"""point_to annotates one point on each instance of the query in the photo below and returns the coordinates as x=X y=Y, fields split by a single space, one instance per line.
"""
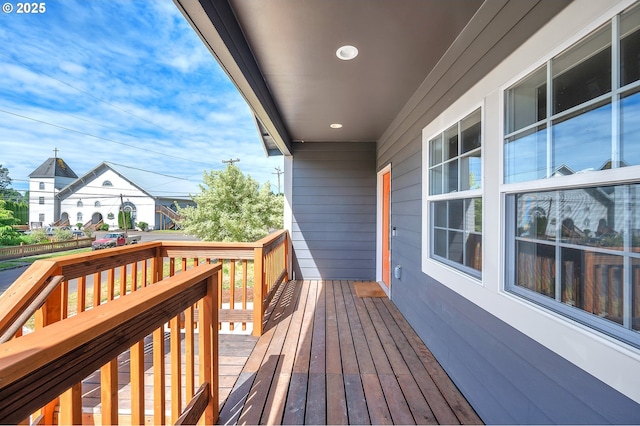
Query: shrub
x=62 y=234
x=9 y=236
x=37 y=236
x=143 y=225
x=104 y=227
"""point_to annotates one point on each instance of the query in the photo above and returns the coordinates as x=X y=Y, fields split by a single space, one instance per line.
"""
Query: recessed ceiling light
x=336 y=126
x=347 y=53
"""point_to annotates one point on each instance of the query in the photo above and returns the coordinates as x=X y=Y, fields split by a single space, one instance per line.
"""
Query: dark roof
x=53 y=167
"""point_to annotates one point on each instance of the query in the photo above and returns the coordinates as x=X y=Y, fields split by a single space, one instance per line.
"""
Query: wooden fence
x=24 y=250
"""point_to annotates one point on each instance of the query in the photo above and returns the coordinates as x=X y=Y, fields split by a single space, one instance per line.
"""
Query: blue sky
x=122 y=81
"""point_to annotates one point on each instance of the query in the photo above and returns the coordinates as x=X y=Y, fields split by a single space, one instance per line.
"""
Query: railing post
x=258 y=283
x=208 y=344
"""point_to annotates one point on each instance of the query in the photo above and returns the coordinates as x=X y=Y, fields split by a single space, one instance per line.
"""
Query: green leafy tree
x=232 y=207
x=8 y=235
x=5 y=180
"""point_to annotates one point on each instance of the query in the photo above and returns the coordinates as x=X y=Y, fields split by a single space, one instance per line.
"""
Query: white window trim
x=438 y=270
x=578 y=344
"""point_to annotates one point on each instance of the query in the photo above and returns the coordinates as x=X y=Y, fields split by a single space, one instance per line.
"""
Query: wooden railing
x=56 y=291
x=15 y=252
x=41 y=372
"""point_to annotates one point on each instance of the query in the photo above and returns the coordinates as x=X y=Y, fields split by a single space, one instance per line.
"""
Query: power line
x=102 y=138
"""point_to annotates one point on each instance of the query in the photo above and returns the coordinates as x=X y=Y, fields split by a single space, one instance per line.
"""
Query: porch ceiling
x=281 y=54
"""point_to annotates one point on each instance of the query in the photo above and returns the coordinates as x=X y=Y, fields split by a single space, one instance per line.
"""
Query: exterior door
x=385 y=232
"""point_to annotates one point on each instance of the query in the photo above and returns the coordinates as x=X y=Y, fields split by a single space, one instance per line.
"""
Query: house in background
x=99 y=195
x=415 y=135
x=45 y=183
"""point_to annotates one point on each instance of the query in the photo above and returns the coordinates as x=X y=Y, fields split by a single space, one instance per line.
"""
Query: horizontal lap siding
x=506 y=376
x=333 y=207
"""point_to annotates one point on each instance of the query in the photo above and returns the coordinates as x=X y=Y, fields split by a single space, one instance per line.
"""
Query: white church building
x=57 y=196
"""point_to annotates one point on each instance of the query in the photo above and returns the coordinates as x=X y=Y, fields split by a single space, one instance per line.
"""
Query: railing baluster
x=97 y=288
x=123 y=280
x=189 y=353
x=81 y=303
x=134 y=276
x=158 y=377
x=244 y=289
x=71 y=406
x=136 y=362
x=109 y=392
x=232 y=288
x=111 y=282
x=176 y=373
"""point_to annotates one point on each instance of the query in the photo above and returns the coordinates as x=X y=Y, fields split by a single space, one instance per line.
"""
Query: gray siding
x=506 y=376
x=333 y=205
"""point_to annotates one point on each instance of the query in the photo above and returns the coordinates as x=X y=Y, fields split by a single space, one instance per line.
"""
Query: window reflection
x=526 y=156
x=582 y=240
x=589 y=134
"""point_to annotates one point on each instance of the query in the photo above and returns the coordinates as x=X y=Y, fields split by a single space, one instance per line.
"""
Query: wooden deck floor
x=331 y=357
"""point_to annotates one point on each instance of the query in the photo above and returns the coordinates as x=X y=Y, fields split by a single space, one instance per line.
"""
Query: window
x=40 y=200
x=576 y=249
x=41 y=217
x=79 y=203
x=96 y=204
x=579 y=101
x=107 y=183
x=79 y=216
x=455 y=202
x=41 y=186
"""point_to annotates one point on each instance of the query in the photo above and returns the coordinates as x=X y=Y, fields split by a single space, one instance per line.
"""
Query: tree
x=232 y=207
x=8 y=235
x=6 y=193
x=5 y=180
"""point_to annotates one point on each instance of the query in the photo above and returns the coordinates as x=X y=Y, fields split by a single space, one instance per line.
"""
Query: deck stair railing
x=69 y=291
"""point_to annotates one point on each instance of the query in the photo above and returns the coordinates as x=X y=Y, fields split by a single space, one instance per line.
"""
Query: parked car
x=114 y=239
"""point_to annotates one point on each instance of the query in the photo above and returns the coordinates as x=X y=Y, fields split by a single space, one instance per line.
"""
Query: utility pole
x=230 y=161
x=278 y=172
x=124 y=217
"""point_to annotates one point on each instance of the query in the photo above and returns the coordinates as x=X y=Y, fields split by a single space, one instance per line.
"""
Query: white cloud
x=121 y=81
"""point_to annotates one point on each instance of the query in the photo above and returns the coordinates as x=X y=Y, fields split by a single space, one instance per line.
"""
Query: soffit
x=399 y=42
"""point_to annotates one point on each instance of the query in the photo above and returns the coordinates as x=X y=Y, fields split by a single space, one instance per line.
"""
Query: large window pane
x=456 y=246
x=630 y=137
x=593 y=282
x=451 y=143
x=435 y=180
x=440 y=213
x=473 y=214
x=456 y=214
x=525 y=156
x=473 y=250
x=451 y=176
x=471 y=132
x=527 y=102
x=435 y=151
x=440 y=242
x=630 y=47
x=471 y=171
x=582 y=72
x=582 y=142
x=635 y=279
x=533 y=214
x=536 y=267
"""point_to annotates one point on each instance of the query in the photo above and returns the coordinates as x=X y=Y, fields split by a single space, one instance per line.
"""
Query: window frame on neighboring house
x=571 y=187
x=40 y=200
x=97 y=204
x=107 y=183
x=41 y=186
x=79 y=204
x=453 y=171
